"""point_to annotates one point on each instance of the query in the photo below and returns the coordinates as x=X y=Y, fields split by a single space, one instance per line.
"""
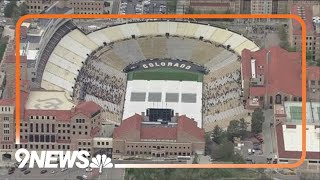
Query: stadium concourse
x=91 y=66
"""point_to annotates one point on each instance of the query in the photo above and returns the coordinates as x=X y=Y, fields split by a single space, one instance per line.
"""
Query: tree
x=243 y=128
x=309 y=56
x=216 y=134
x=257 y=121
x=233 y=129
x=195 y=159
x=226 y=151
x=3 y=45
x=23 y=9
x=9 y=9
x=208 y=143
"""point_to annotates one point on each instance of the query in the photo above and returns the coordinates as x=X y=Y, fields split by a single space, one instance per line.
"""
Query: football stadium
x=158 y=68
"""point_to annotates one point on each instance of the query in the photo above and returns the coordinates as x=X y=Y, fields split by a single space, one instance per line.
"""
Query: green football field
x=165 y=74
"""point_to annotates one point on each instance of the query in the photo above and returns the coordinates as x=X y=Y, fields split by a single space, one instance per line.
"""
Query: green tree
x=3 y=46
x=243 y=128
x=195 y=159
x=226 y=151
x=309 y=56
x=23 y=8
x=9 y=9
x=208 y=143
x=257 y=120
x=233 y=129
x=217 y=134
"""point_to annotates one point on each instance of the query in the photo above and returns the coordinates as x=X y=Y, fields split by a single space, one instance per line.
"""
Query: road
x=268 y=134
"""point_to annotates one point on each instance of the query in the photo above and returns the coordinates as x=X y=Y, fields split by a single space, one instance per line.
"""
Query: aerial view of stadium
x=127 y=93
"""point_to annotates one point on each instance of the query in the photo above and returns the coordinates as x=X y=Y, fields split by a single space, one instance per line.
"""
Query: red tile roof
x=307 y=11
x=313 y=73
x=61 y=115
x=7 y=102
x=129 y=125
x=23 y=32
x=290 y=154
x=158 y=133
x=209 y=5
x=133 y=125
x=88 y=108
x=190 y=127
x=284 y=70
x=11 y=58
x=94 y=132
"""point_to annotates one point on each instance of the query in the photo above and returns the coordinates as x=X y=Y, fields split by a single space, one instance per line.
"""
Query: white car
x=53 y=172
x=64 y=169
x=88 y=169
x=85 y=177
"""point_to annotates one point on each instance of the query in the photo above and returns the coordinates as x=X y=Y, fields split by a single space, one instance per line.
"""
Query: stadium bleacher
x=71 y=55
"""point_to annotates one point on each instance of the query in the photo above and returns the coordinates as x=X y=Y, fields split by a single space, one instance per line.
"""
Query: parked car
x=27 y=172
x=53 y=172
x=43 y=171
x=88 y=169
x=64 y=169
x=10 y=171
x=80 y=177
x=256 y=146
x=16 y=164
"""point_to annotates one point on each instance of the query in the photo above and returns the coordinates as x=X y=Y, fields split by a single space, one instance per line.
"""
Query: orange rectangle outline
x=176 y=16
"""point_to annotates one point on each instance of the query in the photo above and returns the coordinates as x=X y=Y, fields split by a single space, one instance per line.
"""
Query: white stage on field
x=184 y=97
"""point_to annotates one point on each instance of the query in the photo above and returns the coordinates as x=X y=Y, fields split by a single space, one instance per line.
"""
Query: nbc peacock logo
x=101 y=161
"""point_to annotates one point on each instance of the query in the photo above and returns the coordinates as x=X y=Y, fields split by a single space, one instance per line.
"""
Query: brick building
x=220 y=6
x=135 y=137
x=289 y=134
x=79 y=6
x=264 y=6
x=49 y=122
x=87 y=6
x=313 y=31
x=270 y=76
x=37 y=6
x=313 y=83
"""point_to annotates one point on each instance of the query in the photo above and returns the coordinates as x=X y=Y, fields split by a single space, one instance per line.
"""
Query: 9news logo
x=55 y=159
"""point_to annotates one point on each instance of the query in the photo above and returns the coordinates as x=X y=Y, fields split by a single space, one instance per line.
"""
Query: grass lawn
x=165 y=74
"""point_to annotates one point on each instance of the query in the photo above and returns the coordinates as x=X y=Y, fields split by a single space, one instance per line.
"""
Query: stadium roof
x=284 y=70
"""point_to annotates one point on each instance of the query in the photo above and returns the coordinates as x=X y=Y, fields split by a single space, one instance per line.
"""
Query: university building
x=139 y=137
x=288 y=128
x=270 y=76
x=50 y=122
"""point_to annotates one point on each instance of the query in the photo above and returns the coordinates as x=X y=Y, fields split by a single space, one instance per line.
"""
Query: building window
x=313 y=82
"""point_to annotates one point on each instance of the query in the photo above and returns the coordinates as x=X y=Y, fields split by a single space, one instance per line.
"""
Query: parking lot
x=143 y=7
x=35 y=174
